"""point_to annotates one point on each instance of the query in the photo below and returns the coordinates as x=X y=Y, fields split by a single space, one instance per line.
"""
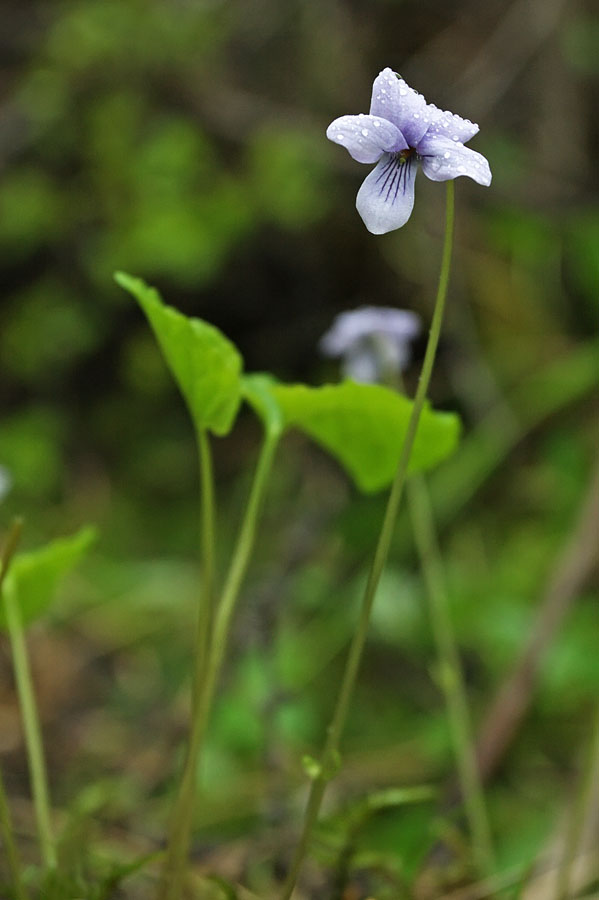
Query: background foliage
x=184 y=141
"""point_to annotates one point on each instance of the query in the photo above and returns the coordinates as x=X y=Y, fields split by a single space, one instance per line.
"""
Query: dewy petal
x=366 y=137
x=444 y=159
x=386 y=198
x=393 y=99
x=447 y=124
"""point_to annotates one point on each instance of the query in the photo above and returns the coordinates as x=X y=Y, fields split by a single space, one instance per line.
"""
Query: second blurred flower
x=373 y=342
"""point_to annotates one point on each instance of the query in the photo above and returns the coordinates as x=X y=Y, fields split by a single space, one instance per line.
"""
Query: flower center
x=404 y=155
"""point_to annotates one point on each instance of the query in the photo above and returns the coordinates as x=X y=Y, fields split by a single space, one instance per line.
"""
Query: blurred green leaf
x=364 y=426
x=359 y=812
x=286 y=174
x=546 y=392
x=34 y=577
x=205 y=365
x=46 y=330
x=580 y=43
x=32 y=212
x=582 y=240
x=31 y=448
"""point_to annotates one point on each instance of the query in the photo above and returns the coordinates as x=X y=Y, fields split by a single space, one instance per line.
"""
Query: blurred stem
x=330 y=752
x=450 y=671
x=583 y=805
x=183 y=807
x=28 y=707
x=208 y=539
x=6 y=827
x=180 y=834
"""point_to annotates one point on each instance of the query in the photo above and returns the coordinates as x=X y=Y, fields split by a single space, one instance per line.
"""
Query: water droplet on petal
x=455 y=137
x=447 y=154
x=365 y=132
x=403 y=92
x=377 y=124
x=416 y=115
x=340 y=137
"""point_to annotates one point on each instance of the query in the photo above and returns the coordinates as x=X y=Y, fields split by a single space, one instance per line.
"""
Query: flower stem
x=28 y=707
x=330 y=750
x=180 y=835
x=582 y=807
x=175 y=856
x=6 y=827
x=207 y=537
x=450 y=671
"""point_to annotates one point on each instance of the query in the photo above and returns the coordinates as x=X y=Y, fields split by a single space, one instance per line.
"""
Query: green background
x=183 y=141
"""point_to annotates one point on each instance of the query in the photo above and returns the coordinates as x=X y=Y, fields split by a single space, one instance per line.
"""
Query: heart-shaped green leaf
x=364 y=426
x=34 y=576
x=204 y=363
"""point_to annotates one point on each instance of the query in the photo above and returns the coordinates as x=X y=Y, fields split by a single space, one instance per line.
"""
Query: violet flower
x=401 y=131
x=5 y=482
x=372 y=341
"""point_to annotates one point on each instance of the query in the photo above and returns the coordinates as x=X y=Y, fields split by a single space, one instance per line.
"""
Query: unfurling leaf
x=204 y=363
x=34 y=576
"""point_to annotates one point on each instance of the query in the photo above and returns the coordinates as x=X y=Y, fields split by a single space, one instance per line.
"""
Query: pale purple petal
x=376 y=359
x=366 y=137
x=401 y=122
x=373 y=341
x=353 y=325
x=444 y=159
x=5 y=482
x=393 y=99
x=448 y=124
x=361 y=364
x=398 y=323
x=386 y=198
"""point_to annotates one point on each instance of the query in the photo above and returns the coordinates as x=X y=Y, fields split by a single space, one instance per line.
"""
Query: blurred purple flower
x=372 y=341
x=5 y=482
x=402 y=130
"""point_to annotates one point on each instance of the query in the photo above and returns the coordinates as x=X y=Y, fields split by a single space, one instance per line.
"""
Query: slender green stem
x=451 y=674
x=31 y=726
x=207 y=512
x=6 y=827
x=331 y=747
x=207 y=541
x=238 y=568
x=27 y=704
x=9 y=548
x=180 y=835
x=174 y=861
x=583 y=804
